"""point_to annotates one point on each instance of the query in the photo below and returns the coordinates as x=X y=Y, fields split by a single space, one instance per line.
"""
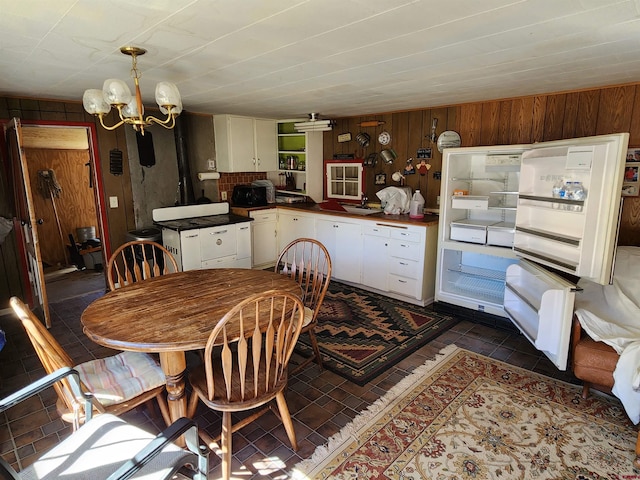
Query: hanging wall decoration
x=409 y=169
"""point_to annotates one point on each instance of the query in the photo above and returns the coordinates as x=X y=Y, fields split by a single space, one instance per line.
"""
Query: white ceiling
x=286 y=58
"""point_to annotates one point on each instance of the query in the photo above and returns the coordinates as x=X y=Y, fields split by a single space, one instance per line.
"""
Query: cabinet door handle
x=242 y=228
x=402 y=281
x=219 y=232
x=191 y=236
x=402 y=263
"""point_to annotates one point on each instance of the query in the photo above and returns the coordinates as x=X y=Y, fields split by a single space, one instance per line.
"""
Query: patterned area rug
x=361 y=334
x=466 y=416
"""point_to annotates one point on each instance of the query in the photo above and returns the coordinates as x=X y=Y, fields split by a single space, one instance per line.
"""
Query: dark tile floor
x=320 y=402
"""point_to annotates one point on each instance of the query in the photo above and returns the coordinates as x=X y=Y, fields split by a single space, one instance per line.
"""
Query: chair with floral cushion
x=118 y=383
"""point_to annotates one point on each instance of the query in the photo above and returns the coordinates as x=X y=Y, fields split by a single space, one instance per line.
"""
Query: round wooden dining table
x=173 y=314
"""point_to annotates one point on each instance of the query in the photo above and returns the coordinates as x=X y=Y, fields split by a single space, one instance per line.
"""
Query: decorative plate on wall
x=384 y=138
x=448 y=139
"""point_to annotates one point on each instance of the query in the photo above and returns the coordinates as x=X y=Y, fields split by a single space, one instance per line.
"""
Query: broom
x=50 y=188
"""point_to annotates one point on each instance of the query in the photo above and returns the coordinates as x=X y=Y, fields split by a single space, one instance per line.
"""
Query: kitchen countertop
x=428 y=220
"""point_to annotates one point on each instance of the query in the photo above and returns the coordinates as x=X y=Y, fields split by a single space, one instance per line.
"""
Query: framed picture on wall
x=631 y=181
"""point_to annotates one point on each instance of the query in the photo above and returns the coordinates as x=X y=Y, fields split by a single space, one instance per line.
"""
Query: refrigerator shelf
x=546 y=259
x=495 y=178
x=564 y=201
x=480 y=288
x=495 y=275
x=504 y=208
x=537 y=232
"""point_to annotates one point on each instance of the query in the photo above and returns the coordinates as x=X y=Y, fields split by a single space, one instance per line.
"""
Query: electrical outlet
x=113 y=202
x=211 y=164
x=223 y=196
x=438 y=200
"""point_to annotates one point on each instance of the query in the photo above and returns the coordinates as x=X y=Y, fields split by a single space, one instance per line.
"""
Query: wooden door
x=26 y=221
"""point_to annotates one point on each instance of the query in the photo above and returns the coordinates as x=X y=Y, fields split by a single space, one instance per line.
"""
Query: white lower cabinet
x=264 y=237
x=390 y=258
x=375 y=256
x=343 y=241
x=293 y=225
x=411 y=263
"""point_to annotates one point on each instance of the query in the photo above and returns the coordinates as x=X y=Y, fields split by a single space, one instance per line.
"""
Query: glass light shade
x=167 y=94
x=176 y=110
x=94 y=103
x=131 y=109
x=116 y=92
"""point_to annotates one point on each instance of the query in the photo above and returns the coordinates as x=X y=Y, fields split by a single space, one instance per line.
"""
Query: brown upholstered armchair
x=593 y=363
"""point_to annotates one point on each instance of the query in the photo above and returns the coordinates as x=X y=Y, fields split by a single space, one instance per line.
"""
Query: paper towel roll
x=208 y=176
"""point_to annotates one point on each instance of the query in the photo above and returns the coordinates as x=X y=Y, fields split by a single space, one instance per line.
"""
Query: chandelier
x=116 y=93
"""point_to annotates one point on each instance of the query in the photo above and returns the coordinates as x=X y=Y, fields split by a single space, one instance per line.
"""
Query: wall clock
x=448 y=139
x=384 y=138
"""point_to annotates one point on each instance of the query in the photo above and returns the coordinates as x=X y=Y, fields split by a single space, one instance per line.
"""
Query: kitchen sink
x=361 y=210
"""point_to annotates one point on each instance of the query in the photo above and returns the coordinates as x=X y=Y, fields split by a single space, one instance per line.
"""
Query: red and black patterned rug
x=361 y=334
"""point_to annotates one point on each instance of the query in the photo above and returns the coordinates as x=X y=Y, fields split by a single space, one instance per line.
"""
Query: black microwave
x=249 y=196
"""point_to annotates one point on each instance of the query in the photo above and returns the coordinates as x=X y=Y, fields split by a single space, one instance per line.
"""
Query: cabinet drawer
x=266 y=216
x=376 y=230
x=404 y=268
x=406 y=249
x=404 y=286
x=408 y=235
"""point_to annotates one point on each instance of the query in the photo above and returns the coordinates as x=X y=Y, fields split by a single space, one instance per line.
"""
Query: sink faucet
x=363 y=201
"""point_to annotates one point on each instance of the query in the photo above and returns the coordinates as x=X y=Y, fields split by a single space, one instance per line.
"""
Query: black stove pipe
x=185 y=184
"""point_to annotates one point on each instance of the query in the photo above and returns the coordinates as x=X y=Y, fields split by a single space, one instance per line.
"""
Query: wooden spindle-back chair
x=138 y=260
x=248 y=369
x=132 y=369
x=307 y=261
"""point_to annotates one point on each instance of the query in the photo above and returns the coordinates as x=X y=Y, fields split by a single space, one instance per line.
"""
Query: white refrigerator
x=507 y=246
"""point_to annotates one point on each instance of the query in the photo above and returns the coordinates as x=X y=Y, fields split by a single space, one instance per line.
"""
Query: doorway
x=56 y=163
x=64 y=204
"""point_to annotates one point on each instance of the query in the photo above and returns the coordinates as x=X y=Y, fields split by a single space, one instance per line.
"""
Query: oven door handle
x=218 y=232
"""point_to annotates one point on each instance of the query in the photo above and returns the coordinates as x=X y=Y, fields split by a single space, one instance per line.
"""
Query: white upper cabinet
x=245 y=144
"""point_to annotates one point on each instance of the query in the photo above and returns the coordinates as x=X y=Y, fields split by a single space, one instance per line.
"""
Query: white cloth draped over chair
x=611 y=314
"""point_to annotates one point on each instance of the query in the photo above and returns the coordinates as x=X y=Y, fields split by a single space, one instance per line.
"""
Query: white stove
x=205 y=236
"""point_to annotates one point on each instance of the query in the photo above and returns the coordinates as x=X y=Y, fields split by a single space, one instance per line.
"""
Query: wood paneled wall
x=502 y=122
x=75 y=206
